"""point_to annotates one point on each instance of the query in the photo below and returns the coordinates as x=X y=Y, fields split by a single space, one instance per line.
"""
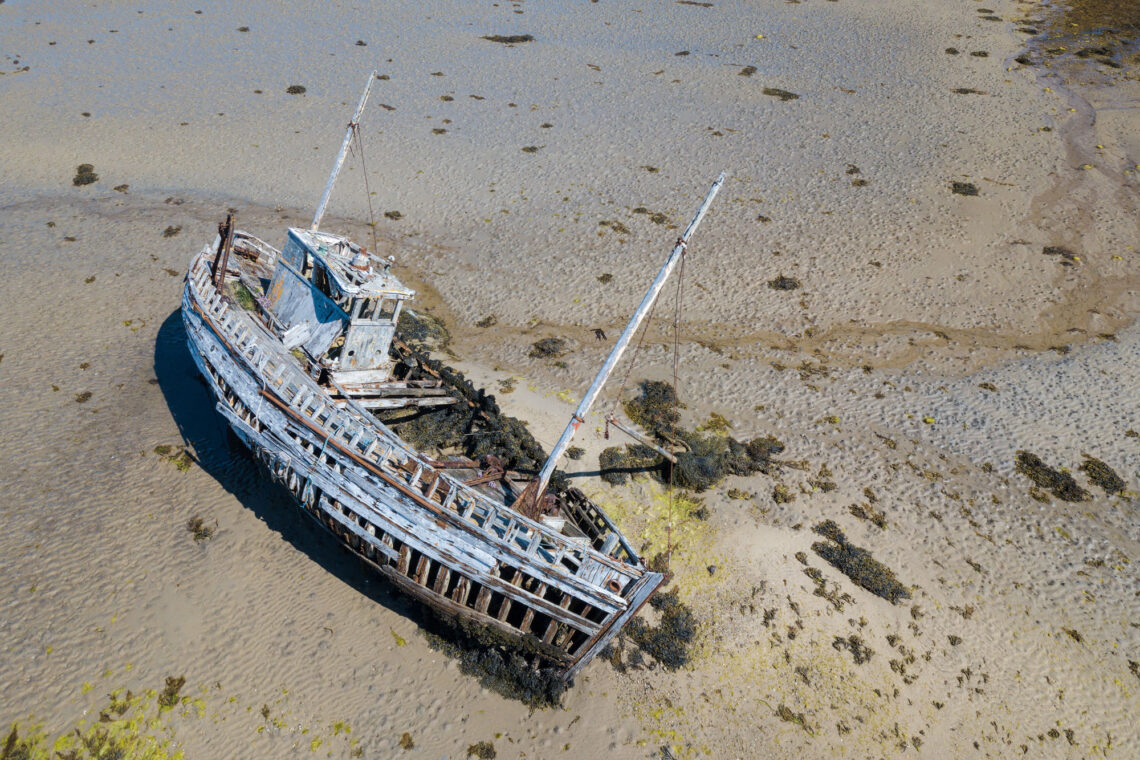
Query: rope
x=676 y=355
x=632 y=361
x=367 y=190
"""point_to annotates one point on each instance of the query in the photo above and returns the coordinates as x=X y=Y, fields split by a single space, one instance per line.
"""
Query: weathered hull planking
x=560 y=597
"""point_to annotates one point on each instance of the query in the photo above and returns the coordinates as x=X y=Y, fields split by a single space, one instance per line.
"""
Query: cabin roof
x=338 y=254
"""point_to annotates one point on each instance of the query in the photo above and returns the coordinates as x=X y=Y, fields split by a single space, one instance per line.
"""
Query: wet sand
x=932 y=339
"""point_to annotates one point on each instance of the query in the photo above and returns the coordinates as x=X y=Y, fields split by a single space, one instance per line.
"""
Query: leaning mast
x=534 y=491
x=352 y=125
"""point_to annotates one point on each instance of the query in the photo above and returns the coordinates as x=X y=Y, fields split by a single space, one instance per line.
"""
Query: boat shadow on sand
x=222 y=455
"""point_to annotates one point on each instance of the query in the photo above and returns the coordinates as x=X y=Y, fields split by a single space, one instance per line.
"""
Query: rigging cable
x=367 y=190
x=676 y=393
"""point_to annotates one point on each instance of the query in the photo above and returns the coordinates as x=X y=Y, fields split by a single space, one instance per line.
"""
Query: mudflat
x=921 y=279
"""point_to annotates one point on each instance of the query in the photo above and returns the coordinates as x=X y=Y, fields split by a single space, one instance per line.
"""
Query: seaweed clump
x=474 y=427
x=854 y=644
x=857 y=564
x=509 y=39
x=963 y=188
x=423 y=331
x=617 y=462
x=198 y=528
x=776 y=92
x=705 y=460
x=1102 y=475
x=1062 y=484
x=784 y=283
x=670 y=642
x=169 y=696
x=482 y=750
x=495 y=660
x=549 y=348
x=84 y=175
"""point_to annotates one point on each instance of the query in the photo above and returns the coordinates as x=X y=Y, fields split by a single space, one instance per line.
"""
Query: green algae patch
x=1060 y=483
x=857 y=564
x=127 y=727
x=176 y=455
x=242 y=296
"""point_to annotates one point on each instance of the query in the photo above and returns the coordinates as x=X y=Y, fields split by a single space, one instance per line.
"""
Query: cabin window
x=378 y=309
x=321 y=280
x=368 y=307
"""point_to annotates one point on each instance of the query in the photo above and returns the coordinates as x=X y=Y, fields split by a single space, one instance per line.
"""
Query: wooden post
x=222 y=260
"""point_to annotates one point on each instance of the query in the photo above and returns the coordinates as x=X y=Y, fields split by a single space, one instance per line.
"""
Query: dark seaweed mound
x=616 y=462
x=475 y=427
x=549 y=348
x=1062 y=484
x=84 y=175
x=857 y=564
x=1102 y=475
x=705 y=460
x=495 y=661
x=670 y=641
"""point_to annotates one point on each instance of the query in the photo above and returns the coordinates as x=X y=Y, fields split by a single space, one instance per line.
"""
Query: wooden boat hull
x=442 y=542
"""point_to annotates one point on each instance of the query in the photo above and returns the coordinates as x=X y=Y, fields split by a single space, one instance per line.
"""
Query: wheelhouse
x=338 y=303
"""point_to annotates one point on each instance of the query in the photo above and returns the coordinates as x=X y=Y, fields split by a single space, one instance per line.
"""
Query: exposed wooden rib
x=482 y=600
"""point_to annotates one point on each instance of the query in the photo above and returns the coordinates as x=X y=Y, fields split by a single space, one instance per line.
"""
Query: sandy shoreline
x=1024 y=621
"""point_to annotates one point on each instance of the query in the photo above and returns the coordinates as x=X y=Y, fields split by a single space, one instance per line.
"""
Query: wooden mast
x=340 y=156
x=531 y=497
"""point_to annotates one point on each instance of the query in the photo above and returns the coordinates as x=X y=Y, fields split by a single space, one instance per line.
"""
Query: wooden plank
x=591 y=590
x=462 y=591
x=442 y=578
x=482 y=600
x=423 y=569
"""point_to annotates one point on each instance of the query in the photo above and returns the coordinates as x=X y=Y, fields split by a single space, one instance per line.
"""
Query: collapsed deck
x=561 y=594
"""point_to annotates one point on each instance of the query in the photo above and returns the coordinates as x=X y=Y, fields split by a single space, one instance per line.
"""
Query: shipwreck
x=299 y=347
